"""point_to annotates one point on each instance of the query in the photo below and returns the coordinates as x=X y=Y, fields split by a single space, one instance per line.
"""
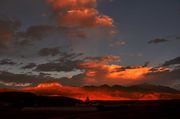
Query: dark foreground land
x=122 y=110
x=37 y=107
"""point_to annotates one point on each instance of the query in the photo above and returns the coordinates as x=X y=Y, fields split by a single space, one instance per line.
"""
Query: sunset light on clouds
x=79 y=13
x=77 y=43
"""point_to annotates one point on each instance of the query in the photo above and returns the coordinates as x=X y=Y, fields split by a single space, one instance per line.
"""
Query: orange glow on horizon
x=56 y=89
x=49 y=85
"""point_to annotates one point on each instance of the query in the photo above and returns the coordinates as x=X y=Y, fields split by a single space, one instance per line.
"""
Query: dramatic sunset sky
x=89 y=42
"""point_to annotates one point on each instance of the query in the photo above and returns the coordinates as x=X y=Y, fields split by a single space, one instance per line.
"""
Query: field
x=104 y=110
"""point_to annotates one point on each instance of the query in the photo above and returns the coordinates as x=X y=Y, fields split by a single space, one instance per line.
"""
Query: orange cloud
x=79 y=13
x=72 y=4
x=103 y=71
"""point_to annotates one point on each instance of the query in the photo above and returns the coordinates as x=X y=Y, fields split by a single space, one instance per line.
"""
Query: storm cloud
x=8 y=29
x=157 y=41
x=175 y=61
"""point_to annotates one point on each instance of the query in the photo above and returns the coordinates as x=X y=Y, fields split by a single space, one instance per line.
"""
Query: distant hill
x=153 y=88
x=135 y=88
x=53 y=93
x=7 y=90
x=25 y=99
x=177 y=87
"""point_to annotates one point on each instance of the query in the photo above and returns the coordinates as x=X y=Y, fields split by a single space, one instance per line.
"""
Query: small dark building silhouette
x=87 y=99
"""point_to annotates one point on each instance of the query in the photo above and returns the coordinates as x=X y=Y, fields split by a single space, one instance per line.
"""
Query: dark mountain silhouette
x=135 y=88
x=40 y=95
x=177 y=87
x=152 y=88
x=8 y=90
x=24 y=99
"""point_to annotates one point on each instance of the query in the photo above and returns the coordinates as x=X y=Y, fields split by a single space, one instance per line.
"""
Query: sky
x=89 y=42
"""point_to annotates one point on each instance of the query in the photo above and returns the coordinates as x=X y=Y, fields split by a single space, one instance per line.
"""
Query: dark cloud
x=67 y=62
x=8 y=29
x=12 y=37
x=44 y=74
x=29 y=66
x=12 y=80
x=118 y=43
x=76 y=80
x=44 y=31
x=49 y=51
x=104 y=59
x=65 y=56
x=177 y=67
x=146 y=64
x=77 y=34
x=157 y=40
x=7 y=62
x=175 y=61
x=177 y=87
x=65 y=66
x=168 y=77
x=178 y=38
x=34 y=33
x=20 y=78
